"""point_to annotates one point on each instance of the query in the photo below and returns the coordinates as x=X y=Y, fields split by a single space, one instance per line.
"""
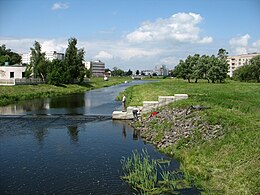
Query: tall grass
x=228 y=164
x=149 y=176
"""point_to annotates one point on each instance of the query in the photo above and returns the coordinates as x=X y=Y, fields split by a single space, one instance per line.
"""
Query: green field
x=229 y=164
x=12 y=94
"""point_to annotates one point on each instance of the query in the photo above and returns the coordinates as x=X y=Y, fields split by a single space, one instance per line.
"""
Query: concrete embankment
x=148 y=106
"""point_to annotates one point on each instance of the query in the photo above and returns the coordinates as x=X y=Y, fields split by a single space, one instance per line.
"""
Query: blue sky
x=135 y=34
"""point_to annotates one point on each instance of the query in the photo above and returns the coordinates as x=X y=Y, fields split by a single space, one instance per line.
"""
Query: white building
x=50 y=55
x=12 y=72
x=238 y=61
x=26 y=58
x=161 y=70
x=97 y=67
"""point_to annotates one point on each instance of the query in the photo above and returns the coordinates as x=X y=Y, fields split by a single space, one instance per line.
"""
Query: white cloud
x=58 y=6
x=241 y=50
x=240 y=41
x=53 y=45
x=23 y=45
x=169 y=61
x=241 y=45
x=103 y=55
x=181 y=27
x=256 y=44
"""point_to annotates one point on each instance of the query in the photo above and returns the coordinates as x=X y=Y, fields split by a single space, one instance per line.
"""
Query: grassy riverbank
x=230 y=163
x=12 y=94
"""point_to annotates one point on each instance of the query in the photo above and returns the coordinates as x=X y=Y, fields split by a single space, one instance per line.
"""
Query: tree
x=255 y=68
x=74 y=68
x=56 y=72
x=185 y=69
x=6 y=55
x=117 y=72
x=222 y=64
x=129 y=73
x=250 y=71
x=137 y=72
x=39 y=65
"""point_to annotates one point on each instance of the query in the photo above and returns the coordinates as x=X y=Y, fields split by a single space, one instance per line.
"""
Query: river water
x=67 y=145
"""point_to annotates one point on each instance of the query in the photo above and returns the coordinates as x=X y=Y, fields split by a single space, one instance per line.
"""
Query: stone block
x=119 y=115
x=181 y=96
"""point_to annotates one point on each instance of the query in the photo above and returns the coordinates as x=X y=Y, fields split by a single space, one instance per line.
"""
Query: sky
x=133 y=34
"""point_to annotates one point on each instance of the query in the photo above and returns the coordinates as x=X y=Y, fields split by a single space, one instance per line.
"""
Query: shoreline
x=13 y=94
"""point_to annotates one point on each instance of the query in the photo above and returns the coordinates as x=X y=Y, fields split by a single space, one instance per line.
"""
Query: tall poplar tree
x=74 y=68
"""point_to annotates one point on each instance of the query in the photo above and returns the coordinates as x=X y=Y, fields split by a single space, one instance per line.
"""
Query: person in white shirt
x=124 y=103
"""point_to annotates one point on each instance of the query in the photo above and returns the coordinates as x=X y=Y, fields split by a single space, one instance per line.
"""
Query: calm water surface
x=69 y=154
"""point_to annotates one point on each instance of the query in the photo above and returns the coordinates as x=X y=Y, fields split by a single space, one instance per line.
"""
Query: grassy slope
x=11 y=94
x=230 y=164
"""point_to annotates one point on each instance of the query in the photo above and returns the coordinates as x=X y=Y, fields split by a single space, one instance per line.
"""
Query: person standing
x=124 y=103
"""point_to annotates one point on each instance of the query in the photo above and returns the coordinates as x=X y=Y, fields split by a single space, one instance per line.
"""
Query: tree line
x=69 y=70
x=7 y=56
x=249 y=72
x=212 y=68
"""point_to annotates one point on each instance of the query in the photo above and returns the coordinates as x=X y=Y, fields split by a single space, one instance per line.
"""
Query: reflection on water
x=76 y=158
x=66 y=153
x=73 y=133
x=99 y=101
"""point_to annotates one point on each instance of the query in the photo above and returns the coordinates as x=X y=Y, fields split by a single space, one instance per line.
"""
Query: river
x=67 y=145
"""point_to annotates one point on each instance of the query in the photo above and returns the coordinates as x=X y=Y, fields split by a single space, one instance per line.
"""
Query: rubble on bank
x=171 y=125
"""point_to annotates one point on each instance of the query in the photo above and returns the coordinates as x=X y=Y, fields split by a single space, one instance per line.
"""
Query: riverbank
x=12 y=94
x=218 y=146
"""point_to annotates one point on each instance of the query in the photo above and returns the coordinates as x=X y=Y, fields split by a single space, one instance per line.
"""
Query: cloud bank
x=162 y=41
x=180 y=27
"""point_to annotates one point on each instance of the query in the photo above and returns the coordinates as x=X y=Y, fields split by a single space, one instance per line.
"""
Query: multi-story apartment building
x=97 y=67
x=50 y=55
x=26 y=58
x=238 y=61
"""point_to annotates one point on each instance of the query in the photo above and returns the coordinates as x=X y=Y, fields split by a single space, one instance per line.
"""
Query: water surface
x=54 y=146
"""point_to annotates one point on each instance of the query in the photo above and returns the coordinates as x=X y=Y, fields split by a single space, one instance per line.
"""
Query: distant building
x=50 y=55
x=238 y=61
x=97 y=67
x=161 y=70
x=12 y=72
x=26 y=58
x=147 y=72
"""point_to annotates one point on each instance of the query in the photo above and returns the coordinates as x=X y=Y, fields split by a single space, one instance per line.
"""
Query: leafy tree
x=117 y=72
x=249 y=72
x=129 y=73
x=6 y=55
x=88 y=73
x=255 y=68
x=39 y=64
x=203 y=67
x=137 y=72
x=222 y=64
x=185 y=69
x=74 y=68
x=56 y=72
x=196 y=66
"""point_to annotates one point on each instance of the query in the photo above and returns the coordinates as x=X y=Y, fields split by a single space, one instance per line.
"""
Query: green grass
x=12 y=94
x=229 y=164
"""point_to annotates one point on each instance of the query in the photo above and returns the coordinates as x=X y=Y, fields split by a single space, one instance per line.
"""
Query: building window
x=23 y=74
x=11 y=75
